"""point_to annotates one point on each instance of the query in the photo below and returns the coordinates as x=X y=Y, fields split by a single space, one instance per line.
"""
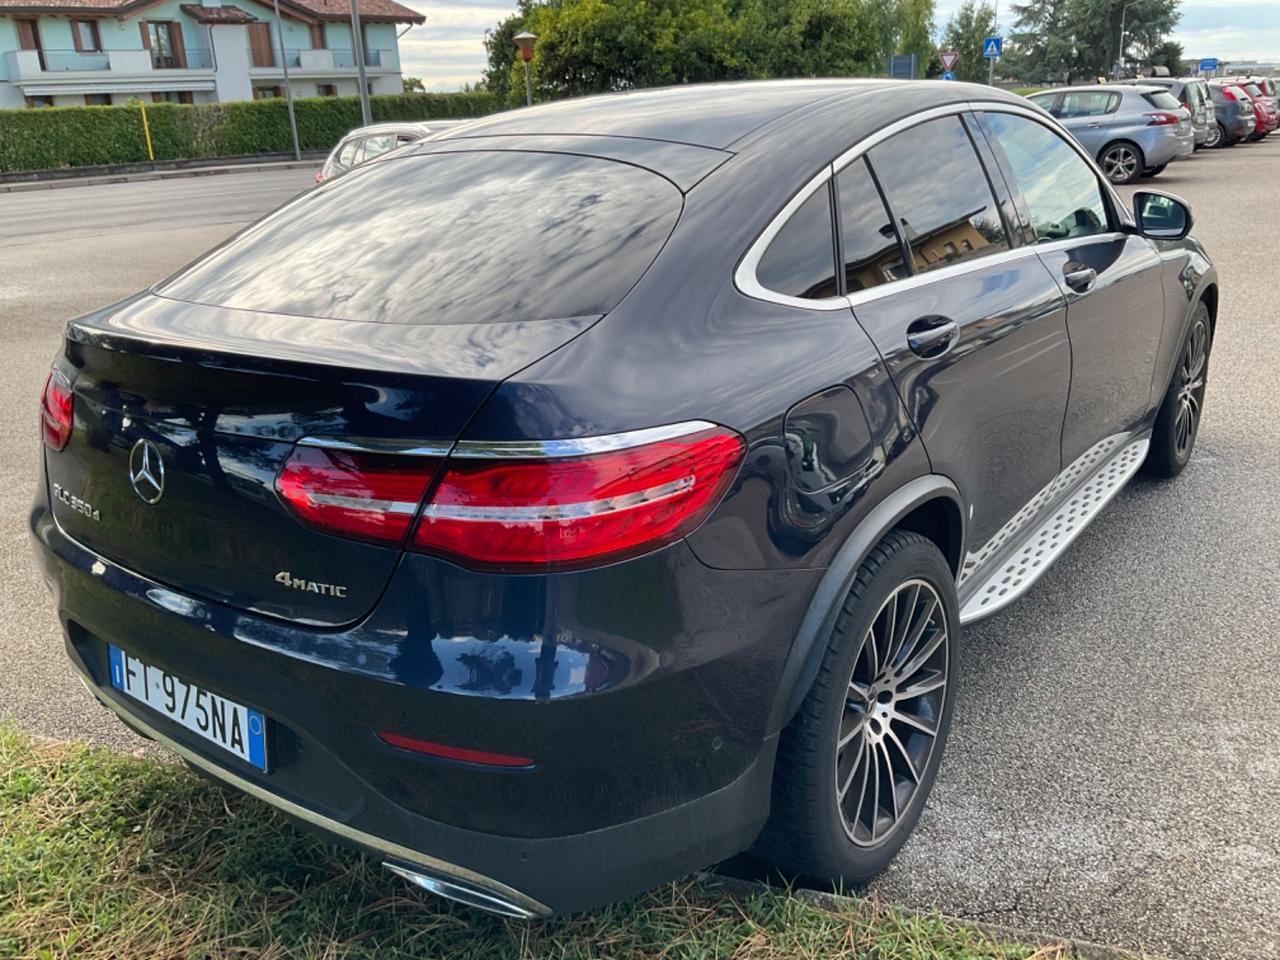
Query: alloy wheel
x=1215 y=135
x=1195 y=356
x=1120 y=164
x=893 y=708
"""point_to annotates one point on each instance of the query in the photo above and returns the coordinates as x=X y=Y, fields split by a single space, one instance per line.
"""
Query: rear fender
x=810 y=643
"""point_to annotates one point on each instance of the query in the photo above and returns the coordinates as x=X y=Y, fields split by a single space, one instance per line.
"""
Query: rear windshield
x=472 y=237
x=1162 y=99
x=1252 y=89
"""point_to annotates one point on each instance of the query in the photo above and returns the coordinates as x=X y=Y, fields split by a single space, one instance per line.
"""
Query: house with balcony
x=99 y=52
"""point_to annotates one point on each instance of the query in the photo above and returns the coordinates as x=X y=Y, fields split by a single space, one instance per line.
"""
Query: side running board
x=1080 y=496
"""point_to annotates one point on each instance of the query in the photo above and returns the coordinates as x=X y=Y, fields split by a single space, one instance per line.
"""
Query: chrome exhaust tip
x=460 y=891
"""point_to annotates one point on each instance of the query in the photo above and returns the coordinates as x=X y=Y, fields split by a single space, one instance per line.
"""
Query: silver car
x=1133 y=131
x=1193 y=94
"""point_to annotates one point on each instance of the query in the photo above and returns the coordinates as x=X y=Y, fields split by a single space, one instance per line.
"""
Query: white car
x=368 y=143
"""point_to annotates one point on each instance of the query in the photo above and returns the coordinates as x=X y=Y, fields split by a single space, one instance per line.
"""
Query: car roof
x=401 y=126
x=1142 y=86
x=721 y=116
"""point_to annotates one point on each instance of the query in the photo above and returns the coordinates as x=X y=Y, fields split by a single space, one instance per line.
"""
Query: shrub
x=56 y=137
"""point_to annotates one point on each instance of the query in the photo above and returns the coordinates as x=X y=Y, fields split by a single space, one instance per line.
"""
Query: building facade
x=99 y=52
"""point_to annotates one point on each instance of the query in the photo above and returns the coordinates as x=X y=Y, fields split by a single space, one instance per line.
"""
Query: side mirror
x=1161 y=216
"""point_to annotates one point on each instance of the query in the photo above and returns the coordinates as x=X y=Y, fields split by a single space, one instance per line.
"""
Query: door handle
x=1079 y=277
x=931 y=337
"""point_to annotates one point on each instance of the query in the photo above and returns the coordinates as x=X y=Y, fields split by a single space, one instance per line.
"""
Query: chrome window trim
x=744 y=276
x=411 y=448
x=576 y=446
x=515 y=449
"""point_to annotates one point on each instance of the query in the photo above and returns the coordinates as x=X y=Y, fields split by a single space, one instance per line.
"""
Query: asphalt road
x=1113 y=772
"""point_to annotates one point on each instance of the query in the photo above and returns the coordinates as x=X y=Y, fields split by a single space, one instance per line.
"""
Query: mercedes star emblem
x=146 y=471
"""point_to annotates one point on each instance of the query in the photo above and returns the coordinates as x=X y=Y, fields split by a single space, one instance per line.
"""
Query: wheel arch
x=929 y=505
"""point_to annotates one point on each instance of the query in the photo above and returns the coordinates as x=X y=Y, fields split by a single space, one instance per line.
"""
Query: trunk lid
x=218 y=397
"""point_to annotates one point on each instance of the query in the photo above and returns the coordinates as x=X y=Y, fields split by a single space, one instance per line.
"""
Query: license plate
x=232 y=726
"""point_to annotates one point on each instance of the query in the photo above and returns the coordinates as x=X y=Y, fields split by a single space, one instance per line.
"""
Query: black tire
x=808 y=832
x=1173 y=438
x=1217 y=134
x=1121 y=161
x=1154 y=171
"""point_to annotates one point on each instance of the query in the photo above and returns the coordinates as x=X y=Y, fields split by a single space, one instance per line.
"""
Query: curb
x=143 y=175
x=1047 y=946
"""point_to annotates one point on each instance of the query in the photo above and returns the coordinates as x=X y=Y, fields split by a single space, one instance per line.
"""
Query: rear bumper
x=666 y=771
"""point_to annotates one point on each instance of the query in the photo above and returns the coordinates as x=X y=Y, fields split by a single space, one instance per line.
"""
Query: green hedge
x=55 y=137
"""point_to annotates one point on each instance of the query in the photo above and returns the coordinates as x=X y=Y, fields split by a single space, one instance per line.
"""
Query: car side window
x=1060 y=189
x=1048 y=102
x=376 y=146
x=1087 y=105
x=801 y=260
x=872 y=255
x=939 y=194
x=347 y=155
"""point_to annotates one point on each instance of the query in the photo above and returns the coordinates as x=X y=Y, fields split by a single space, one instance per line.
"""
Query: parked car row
x=1135 y=128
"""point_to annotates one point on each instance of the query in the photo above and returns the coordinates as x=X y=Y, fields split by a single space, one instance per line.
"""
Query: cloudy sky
x=448 y=50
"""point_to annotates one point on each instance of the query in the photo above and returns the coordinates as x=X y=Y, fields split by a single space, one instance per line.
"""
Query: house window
x=172 y=96
x=318 y=41
x=84 y=33
x=39 y=101
x=97 y=99
x=326 y=89
x=267 y=93
x=164 y=39
x=261 y=53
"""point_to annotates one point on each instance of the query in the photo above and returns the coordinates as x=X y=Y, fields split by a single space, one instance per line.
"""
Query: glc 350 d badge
x=146 y=471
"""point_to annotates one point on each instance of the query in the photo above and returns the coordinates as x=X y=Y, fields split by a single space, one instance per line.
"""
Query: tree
x=1166 y=54
x=964 y=33
x=1075 y=40
x=593 y=46
x=915 y=32
x=1042 y=43
x=414 y=85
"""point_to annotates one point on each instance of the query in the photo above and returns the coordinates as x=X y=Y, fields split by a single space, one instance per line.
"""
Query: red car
x=1264 y=108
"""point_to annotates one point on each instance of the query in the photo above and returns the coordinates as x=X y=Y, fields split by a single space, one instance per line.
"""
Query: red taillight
x=56 y=406
x=1160 y=119
x=522 y=513
x=462 y=754
x=372 y=496
x=521 y=506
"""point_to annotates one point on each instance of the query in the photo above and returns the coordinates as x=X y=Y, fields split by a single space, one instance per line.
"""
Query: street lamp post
x=357 y=44
x=288 y=88
x=525 y=41
x=1120 y=52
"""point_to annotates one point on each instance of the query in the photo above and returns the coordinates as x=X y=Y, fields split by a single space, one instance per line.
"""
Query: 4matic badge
x=311 y=586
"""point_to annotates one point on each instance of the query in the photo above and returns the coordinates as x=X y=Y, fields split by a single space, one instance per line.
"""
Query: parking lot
x=1113 y=772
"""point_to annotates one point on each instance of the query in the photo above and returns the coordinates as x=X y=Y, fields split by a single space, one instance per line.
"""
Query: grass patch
x=107 y=856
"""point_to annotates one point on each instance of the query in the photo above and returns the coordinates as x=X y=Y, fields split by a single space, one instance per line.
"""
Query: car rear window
x=472 y=237
x=1252 y=89
x=1162 y=99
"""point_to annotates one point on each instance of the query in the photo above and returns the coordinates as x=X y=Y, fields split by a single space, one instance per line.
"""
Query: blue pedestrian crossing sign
x=948 y=75
x=992 y=47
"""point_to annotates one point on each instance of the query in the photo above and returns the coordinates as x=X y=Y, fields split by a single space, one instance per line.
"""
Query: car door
x=1089 y=115
x=974 y=334
x=1109 y=276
